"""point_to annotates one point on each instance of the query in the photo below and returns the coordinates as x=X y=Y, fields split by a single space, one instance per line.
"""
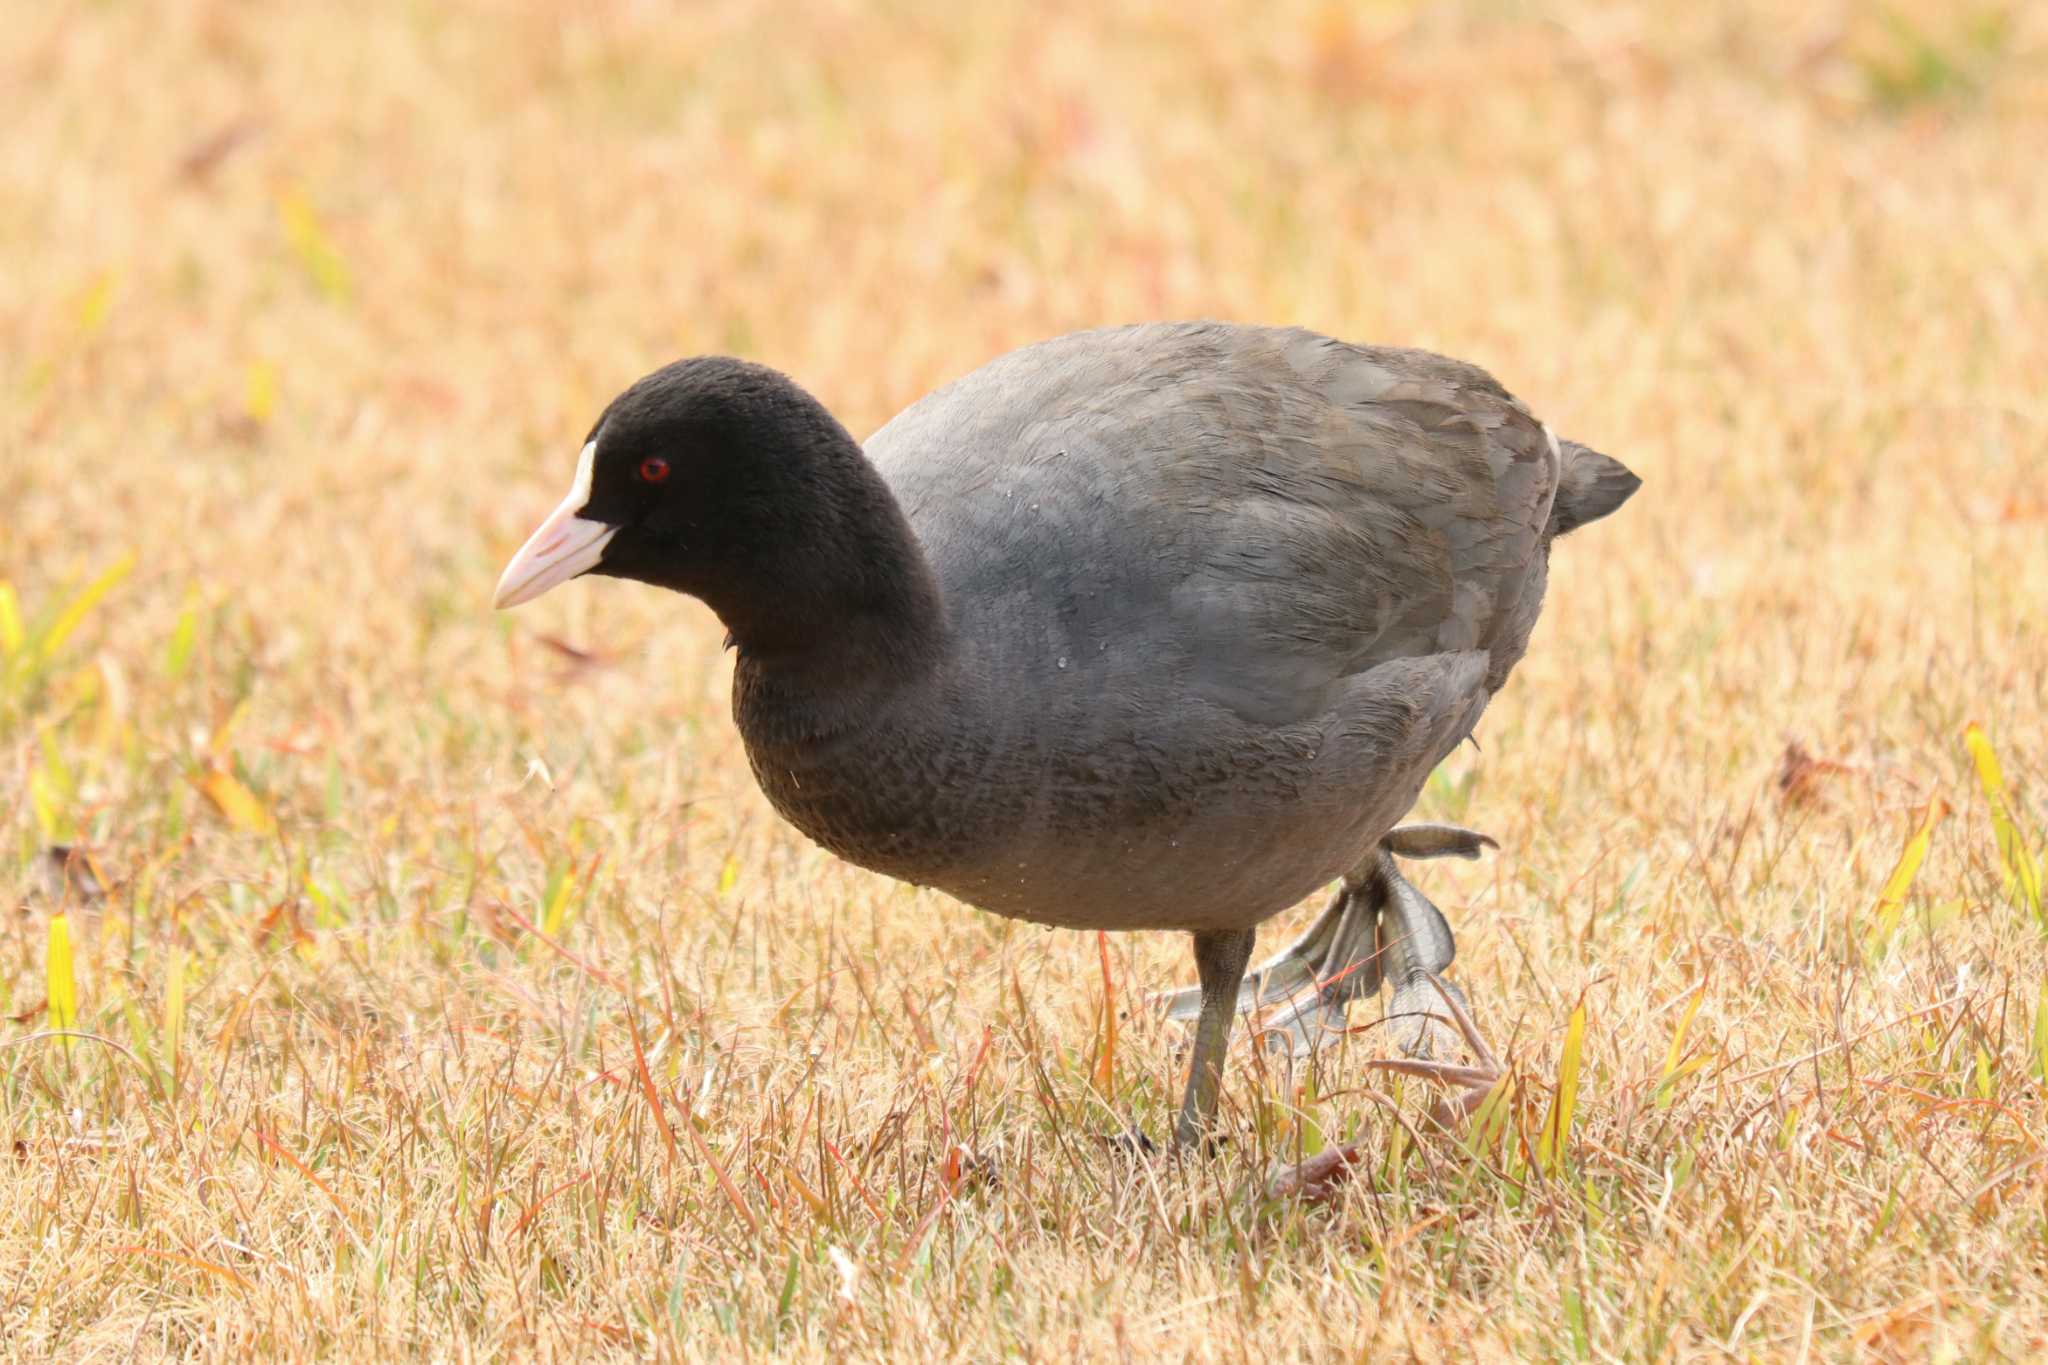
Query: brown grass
x=457 y=994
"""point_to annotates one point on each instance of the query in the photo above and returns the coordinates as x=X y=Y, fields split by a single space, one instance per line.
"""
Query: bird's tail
x=1589 y=486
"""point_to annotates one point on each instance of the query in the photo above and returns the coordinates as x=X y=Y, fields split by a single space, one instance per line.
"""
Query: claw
x=1462 y=1017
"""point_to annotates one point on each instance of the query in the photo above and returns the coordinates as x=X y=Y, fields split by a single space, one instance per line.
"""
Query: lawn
x=431 y=981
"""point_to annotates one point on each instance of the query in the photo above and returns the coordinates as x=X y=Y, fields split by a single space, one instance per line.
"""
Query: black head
x=723 y=479
x=690 y=476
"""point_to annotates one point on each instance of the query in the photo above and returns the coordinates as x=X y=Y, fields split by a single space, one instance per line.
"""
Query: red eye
x=653 y=469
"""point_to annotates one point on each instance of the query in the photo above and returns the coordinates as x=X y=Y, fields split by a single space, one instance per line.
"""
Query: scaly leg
x=1220 y=960
x=1312 y=980
x=1428 y=1013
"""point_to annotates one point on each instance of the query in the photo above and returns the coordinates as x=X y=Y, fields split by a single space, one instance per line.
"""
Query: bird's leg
x=1428 y=1013
x=1220 y=960
x=1311 y=981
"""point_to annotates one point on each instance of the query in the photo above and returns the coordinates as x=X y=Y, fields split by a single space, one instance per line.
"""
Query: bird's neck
x=844 y=616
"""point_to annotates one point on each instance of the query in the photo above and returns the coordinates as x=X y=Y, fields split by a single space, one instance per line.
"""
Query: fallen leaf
x=1801 y=775
x=283 y=916
x=205 y=156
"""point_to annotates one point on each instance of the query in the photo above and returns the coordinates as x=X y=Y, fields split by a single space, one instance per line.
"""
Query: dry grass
x=307 y=307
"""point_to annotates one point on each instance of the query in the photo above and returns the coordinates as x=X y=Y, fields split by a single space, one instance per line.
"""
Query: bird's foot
x=1430 y=1018
x=1307 y=986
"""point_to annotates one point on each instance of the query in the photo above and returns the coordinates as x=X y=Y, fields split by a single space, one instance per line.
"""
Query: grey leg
x=1220 y=960
x=1309 y=983
x=1428 y=1014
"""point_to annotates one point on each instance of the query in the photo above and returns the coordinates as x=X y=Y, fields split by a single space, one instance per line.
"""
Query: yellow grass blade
x=1989 y=775
x=309 y=241
x=1692 y=1007
x=1557 y=1125
x=238 y=805
x=47 y=801
x=218 y=743
x=2041 y=1034
x=11 y=635
x=557 y=908
x=53 y=764
x=96 y=303
x=174 y=1009
x=62 y=983
x=76 y=610
x=178 y=653
x=1891 y=901
x=110 y=704
x=1674 y=1070
x=2014 y=860
x=259 y=391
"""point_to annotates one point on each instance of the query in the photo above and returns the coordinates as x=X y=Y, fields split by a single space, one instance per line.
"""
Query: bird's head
x=690 y=479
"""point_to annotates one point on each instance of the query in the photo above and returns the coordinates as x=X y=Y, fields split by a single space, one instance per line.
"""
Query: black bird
x=1152 y=627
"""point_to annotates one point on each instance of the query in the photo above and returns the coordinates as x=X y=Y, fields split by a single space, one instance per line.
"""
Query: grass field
x=436 y=982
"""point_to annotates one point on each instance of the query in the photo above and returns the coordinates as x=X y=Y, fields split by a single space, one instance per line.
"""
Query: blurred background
x=304 y=313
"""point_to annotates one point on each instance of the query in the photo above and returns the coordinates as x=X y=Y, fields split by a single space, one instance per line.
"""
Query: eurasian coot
x=1153 y=627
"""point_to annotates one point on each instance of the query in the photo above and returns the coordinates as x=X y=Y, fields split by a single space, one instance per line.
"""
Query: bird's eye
x=653 y=469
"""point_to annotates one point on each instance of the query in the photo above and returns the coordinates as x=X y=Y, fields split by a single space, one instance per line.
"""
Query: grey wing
x=1396 y=509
